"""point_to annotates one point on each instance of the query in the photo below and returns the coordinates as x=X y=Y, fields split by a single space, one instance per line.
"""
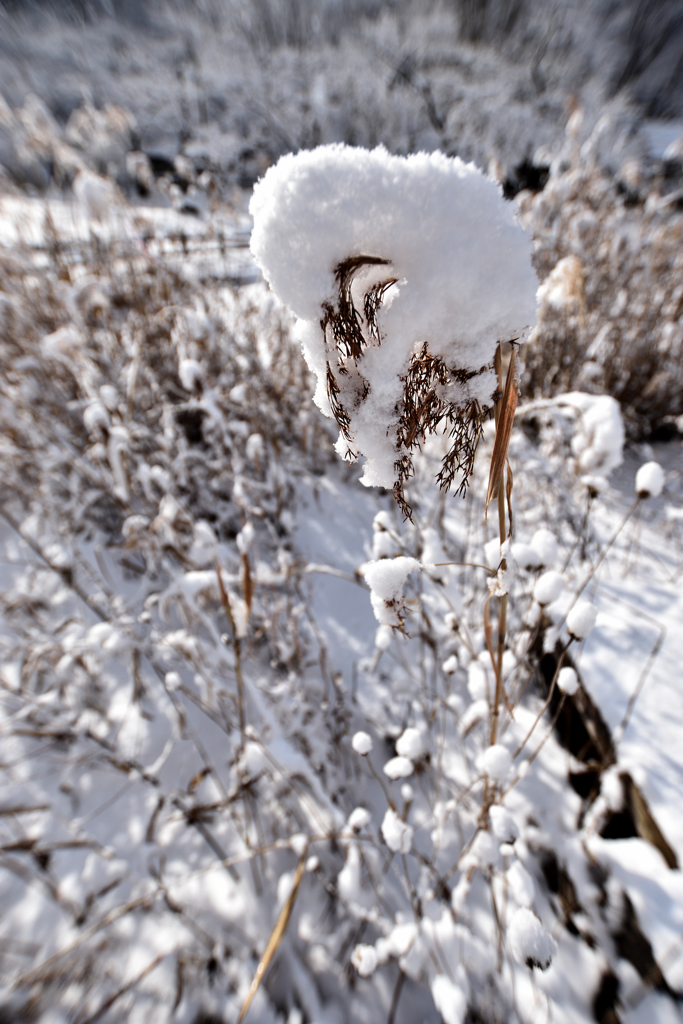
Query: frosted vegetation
x=262 y=746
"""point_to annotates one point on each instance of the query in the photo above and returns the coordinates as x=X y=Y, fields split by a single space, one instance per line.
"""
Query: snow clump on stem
x=362 y=743
x=649 y=480
x=529 y=942
x=386 y=579
x=581 y=619
x=405 y=273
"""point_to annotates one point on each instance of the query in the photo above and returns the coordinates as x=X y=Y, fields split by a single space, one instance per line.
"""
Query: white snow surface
x=459 y=258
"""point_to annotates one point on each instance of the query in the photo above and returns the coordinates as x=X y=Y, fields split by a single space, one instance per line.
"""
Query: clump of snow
x=349 y=878
x=397 y=835
x=450 y=665
x=495 y=762
x=548 y=587
x=503 y=824
x=397 y=942
x=567 y=680
x=364 y=959
x=358 y=819
x=529 y=942
x=449 y=999
x=543 y=548
x=483 y=852
x=190 y=373
x=362 y=743
x=492 y=553
x=383 y=637
x=562 y=289
x=649 y=480
x=383 y=540
x=398 y=768
x=95 y=415
x=521 y=884
x=598 y=441
x=581 y=619
x=386 y=579
x=410 y=744
x=499 y=584
x=431 y=236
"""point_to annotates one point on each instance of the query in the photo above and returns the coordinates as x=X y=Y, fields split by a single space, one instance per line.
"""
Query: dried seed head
x=435 y=397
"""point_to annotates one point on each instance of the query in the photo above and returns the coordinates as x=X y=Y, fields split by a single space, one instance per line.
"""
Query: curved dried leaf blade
x=275 y=939
x=506 y=417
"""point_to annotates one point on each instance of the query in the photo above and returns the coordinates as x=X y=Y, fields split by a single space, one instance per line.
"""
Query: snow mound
x=411 y=264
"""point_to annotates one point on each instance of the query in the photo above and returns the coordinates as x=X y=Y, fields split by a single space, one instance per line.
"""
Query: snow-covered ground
x=177 y=737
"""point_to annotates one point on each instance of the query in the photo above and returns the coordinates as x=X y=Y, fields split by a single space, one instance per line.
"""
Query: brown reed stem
x=502 y=531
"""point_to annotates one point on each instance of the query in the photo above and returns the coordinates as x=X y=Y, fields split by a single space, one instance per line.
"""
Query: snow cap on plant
x=362 y=743
x=649 y=480
x=405 y=273
x=581 y=619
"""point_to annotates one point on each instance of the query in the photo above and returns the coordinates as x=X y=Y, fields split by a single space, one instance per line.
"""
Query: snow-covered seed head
x=364 y=959
x=649 y=480
x=529 y=942
x=405 y=274
x=362 y=743
x=567 y=680
x=581 y=619
x=386 y=578
x=548 y=587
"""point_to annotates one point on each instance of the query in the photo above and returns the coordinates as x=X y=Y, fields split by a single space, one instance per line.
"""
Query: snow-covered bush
x=608 y=248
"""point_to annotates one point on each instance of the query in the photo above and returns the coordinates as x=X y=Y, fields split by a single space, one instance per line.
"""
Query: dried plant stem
x=502 y=531
x=225 y=601
x=275 y=938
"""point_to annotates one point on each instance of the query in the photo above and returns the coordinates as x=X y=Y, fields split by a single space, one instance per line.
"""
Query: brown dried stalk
x=275 y=938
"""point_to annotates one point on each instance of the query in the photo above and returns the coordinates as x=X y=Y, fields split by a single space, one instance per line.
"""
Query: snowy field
x=267 y=751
